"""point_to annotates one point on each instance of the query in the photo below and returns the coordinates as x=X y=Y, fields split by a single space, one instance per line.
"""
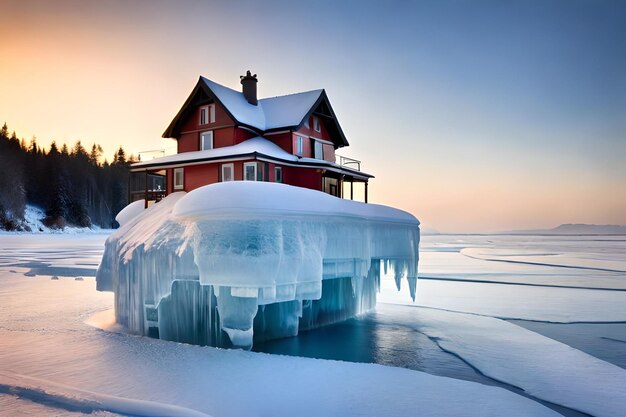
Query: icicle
x=195 y=273
x=412 y=286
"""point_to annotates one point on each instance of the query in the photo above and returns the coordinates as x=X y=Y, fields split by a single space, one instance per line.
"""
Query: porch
x=150 y=186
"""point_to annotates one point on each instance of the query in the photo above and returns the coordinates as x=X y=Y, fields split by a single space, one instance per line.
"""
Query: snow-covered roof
x=288 y=110
x=269 y=113
x=257 y=147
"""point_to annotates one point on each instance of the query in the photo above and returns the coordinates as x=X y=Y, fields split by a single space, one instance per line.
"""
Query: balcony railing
x=349 y=162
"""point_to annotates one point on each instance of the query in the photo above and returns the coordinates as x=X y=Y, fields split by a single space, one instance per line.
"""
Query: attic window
x=316 y=124
x=211 y=113
x=207 y=114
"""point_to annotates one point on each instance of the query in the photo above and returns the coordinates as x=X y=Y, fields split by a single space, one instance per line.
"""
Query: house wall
x=284 y=140
x=199 y=175
x=221 y=137
x=241 y=135
x=188 y=142
x=169 y=180
x=271 y=176
x=303 y=177
x=238 y=167
x=329 y=153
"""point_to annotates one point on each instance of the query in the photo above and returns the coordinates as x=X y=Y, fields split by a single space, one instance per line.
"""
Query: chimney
x=248 y=83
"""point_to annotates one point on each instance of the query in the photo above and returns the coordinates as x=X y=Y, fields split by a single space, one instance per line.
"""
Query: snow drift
x=234 y=262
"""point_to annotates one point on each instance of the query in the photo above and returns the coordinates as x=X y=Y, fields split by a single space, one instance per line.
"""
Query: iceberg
x=231 y=263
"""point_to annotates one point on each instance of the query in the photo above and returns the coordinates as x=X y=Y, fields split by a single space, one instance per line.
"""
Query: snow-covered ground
x=53 y=363
x=33 y=219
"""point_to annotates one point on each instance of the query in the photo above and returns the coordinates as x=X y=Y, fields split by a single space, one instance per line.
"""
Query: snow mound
x=239 y=199
x=255 y=260
x=130 y=212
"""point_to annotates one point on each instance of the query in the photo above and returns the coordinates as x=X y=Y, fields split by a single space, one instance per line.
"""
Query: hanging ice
x=233 y=262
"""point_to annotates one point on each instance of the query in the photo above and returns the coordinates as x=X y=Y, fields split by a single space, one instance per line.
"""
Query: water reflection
x=374 y=338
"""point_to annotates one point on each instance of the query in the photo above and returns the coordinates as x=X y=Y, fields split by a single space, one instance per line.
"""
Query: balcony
x=348 y=162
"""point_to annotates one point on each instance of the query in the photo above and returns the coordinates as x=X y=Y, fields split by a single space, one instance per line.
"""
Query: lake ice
x=53 y=363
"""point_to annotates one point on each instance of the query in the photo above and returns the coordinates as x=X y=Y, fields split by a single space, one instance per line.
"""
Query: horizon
x=494 y=116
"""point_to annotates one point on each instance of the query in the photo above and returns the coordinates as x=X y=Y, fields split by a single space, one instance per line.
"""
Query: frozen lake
x=519 y=322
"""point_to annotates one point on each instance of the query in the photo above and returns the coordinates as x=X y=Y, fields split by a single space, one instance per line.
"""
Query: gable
x=199 y=96
x=325 y=112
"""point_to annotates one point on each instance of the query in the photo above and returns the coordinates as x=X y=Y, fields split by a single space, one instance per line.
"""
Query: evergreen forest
x=73 y=186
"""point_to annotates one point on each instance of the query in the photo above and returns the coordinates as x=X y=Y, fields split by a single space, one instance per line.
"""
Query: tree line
x=72 y=186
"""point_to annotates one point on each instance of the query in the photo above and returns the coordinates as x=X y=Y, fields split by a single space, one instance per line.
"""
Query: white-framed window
x=228 y=172
x=316 y=124
x=319 y=150
x=278 y=174
x=204 y=115
x=299 y=145
x=250 y=171
x=206 y=140
x=212 y=113
x=179 y=178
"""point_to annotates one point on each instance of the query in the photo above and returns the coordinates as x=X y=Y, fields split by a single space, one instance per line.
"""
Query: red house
x=227 y=135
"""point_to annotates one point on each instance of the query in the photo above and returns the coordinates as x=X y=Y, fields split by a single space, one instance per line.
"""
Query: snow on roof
x=270 y=113
x=288 y=110
x=254 y=198
x=237 y=104
x=257 y=144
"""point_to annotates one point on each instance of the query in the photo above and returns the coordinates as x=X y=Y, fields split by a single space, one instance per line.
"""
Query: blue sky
x=473 y=115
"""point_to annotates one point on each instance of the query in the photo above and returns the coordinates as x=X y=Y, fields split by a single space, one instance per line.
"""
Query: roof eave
x=253 y=155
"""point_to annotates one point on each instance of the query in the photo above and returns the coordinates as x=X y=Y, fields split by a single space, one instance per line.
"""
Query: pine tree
x=120 y=156
x=94 y=156
x=33 y=146
x=53 y=149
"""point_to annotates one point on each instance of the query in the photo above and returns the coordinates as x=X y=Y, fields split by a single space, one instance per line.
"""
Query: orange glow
x=116 y=73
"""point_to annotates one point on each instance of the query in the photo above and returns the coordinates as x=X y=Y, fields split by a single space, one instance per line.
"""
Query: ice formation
x=233 y=262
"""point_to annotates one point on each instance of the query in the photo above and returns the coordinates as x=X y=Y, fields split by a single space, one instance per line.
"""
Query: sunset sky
x=474 y=116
